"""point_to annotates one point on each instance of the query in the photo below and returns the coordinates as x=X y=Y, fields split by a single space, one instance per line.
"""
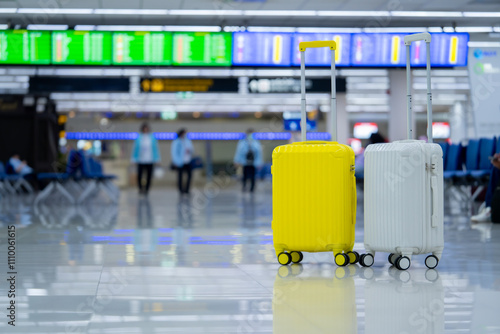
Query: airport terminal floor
x=206 y=264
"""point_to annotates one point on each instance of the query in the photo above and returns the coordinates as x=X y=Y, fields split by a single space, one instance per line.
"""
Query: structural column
x=343 y=129
x=397 y=106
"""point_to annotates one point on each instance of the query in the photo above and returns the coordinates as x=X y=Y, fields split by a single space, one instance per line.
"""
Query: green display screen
x=202 y=49
x=81 y=47
x=24 y=47
x=142 y=48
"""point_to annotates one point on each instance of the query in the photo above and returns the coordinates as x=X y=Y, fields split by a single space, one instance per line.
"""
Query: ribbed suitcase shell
x=314 y=305
x=399 y=199
x=314 y=197
x=396 y=307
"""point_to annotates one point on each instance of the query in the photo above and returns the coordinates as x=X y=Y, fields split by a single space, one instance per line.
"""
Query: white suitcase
x=403 y=186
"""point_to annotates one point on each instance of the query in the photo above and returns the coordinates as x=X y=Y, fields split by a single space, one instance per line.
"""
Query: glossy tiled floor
x=207 y=265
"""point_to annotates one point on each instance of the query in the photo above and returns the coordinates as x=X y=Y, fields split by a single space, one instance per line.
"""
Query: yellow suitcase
x=314 y=191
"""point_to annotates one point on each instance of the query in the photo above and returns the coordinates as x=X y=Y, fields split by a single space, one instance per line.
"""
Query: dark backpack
x=250 y=155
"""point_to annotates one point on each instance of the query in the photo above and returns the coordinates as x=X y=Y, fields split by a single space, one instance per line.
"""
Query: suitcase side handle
x=435 y=201
x=333 y=102
x=408 y=40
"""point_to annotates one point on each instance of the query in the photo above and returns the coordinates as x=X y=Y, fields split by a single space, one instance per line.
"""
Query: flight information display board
x=202 y=49
x=446 y=50
x=378 y=50
x=142 y=48
x=322 y=56
x=262 y=49
x=24 y=47
x=81 y=47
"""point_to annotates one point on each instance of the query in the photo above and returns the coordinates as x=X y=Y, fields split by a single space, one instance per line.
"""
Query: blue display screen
x=446 y=50
x=322 y=56
x=294 y=125
x=389 y=50
x=378 y=50
x=261 y=49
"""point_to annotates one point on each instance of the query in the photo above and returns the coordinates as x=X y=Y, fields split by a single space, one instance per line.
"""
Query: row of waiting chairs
x=469 y=164
x=12 y=183
x=83 y=177
x=468 y=168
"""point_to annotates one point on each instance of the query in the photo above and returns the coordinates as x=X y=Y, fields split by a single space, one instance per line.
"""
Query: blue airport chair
x=13 y=182
x=486 y=150
x=65 y=184
x=6 y=187
x=444 y=147
x=92 y=172
x=471 y=159
x=21 y=180
x=454 y=161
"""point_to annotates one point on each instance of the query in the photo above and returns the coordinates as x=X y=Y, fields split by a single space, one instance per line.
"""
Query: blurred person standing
x=19 y=166
x=145 y=154
x=182 y=155
x=249 y=155
x=359 y=162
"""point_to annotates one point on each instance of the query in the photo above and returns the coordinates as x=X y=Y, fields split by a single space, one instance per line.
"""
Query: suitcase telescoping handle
x=333 y=104
x=425 y=36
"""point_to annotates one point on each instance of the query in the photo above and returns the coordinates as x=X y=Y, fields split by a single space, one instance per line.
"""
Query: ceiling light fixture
x=426 y=14
x=328 y=30
x=271 y=29
x=474 y=29
x=482 y=14
x=473 y=44
x=54 y=11
x=85 y=27
x=131 y=11
x=196 y=12
x=47 y=27
x=394 y=29
x=128 y=28
x=353 y=13
x=193 y=28
x=280 y=13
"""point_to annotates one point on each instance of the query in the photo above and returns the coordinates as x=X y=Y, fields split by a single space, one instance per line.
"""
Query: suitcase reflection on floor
x=314 y=301
x=405 y=302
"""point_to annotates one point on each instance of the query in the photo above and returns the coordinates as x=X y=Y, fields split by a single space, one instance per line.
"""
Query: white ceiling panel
x=82 y=4
x=8 y=4
x=161 y=4
x=311 y=5
x=124 y=4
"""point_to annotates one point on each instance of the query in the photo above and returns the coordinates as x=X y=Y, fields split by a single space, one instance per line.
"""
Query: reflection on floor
x=206 y=264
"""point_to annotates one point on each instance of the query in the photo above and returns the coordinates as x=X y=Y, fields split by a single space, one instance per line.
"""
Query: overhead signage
x=42 y=84
x=484 y=71
x=262 y=49
x=322 y=56
x=73 y=47
x=142 y=48
x=170 y=85
x=292 y=85
x=269 y=49
x=389 y=50
x=202 y=49
x=24 y=47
